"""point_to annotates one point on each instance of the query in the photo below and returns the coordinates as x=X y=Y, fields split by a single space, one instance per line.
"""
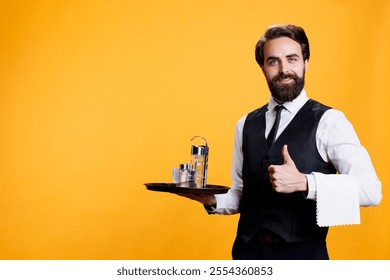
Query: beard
x=284 y=92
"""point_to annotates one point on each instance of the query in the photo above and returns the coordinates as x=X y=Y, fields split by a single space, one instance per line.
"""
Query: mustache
x=283 y=76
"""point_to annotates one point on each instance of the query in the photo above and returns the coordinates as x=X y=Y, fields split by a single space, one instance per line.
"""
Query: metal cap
x=199 y=150
x=185 y=166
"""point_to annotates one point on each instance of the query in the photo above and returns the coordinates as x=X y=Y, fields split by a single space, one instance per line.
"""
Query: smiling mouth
x=286 y=80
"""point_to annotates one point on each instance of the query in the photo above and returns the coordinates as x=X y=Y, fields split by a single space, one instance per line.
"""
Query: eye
x=292 y=59
x=272 y=62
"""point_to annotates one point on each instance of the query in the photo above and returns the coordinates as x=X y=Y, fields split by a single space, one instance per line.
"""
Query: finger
x=286 y=155
x=271 y=169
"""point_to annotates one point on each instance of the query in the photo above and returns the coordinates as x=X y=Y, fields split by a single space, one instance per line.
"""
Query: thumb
x=286 y=155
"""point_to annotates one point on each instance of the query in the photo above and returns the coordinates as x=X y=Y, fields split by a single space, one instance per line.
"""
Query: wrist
x=211 y=201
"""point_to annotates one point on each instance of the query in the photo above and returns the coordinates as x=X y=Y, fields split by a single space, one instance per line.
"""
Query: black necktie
x=272 y=134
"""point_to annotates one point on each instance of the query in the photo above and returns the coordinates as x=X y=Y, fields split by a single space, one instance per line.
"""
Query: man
x=298 y=166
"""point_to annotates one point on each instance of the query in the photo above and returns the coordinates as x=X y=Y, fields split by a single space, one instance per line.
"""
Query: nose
x=283 y=68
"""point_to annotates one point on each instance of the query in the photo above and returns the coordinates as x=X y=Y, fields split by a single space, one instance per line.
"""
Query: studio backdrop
x=99 y=97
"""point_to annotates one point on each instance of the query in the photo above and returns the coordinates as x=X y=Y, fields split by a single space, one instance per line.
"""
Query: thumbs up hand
x=286 y=178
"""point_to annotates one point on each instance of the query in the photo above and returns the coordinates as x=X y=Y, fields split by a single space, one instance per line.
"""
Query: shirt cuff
x=312 y=188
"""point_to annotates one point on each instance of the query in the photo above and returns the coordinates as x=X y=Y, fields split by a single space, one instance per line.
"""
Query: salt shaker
x=184 y=174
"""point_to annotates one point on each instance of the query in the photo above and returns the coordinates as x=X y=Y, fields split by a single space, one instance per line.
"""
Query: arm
x=338 y=143
x=229 y=203
x=338 y=196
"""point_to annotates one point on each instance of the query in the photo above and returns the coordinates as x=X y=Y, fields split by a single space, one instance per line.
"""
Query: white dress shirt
x=339 y=195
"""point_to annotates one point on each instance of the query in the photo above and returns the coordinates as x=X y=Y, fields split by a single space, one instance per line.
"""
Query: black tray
x=173 y=188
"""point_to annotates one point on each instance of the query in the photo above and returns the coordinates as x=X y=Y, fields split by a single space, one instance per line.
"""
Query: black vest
x=290 y=216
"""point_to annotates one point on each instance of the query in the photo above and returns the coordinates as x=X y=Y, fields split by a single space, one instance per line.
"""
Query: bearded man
x=298 y=165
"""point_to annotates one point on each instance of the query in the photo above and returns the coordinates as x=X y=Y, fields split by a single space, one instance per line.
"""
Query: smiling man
x=298 y=165
x=284 y=68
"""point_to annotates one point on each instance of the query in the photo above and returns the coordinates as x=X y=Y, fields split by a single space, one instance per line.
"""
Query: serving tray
x=173 y=188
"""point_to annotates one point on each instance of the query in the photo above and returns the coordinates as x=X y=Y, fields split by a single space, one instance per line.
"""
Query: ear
x=306 y=64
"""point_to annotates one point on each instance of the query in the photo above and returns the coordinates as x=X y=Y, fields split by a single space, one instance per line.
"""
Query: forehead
x=281 y=47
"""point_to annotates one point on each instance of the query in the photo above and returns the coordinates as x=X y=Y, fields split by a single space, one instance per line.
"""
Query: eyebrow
x=277 y=58
x=292 y=55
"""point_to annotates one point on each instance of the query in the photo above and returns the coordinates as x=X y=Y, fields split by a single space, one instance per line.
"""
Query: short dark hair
x=293 y=32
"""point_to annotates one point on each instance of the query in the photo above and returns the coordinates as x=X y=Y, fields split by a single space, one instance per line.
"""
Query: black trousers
x=255 y=250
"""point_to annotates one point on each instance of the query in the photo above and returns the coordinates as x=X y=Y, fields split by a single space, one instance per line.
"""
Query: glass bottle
x=199 y=163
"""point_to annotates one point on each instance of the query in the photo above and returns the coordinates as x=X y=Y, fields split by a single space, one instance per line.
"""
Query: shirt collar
x=291 y=106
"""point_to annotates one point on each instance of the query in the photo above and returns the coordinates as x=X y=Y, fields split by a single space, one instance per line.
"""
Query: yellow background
x=99 y=97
